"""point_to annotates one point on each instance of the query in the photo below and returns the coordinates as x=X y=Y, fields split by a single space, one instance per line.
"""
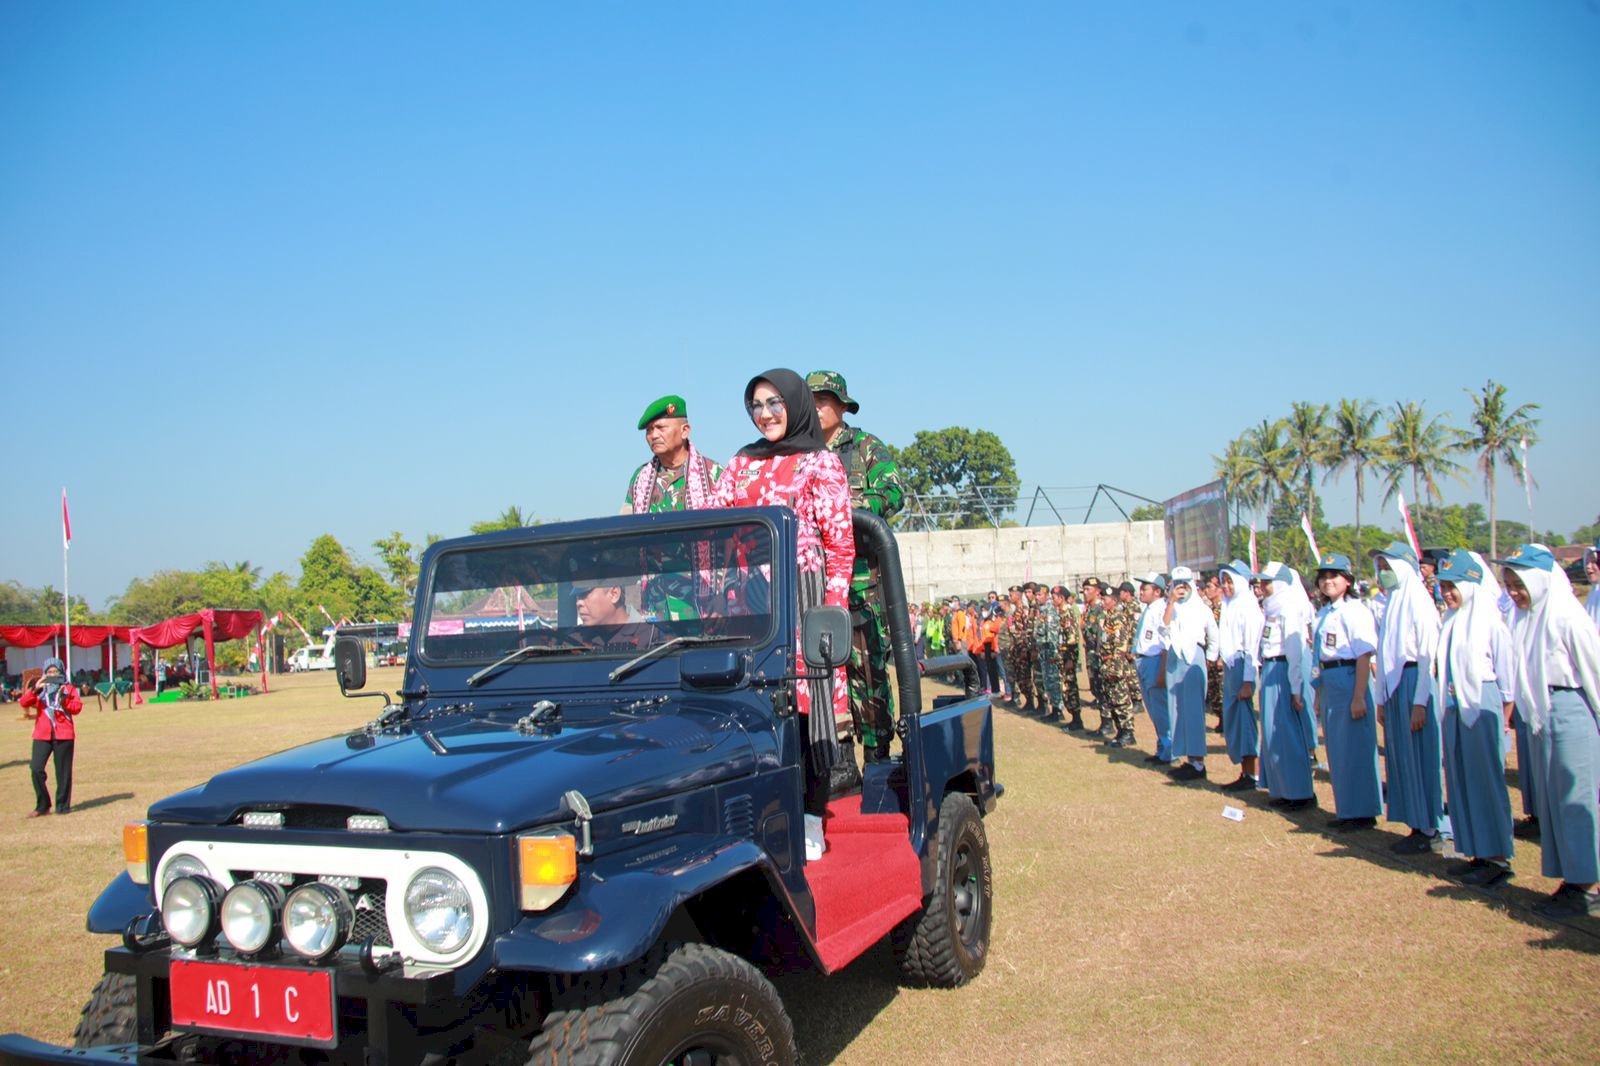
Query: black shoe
x=1300 y=804
x=1279 y=802
x=1245 y=783
x=1186 y=772
x=1418 y=844
x=1352 y=825
x=1124 y=740
x=1570 y=902
x=1156 y=759
x=1075 y=723
x=1527 y=829
x=63 y=810
x=1485 y=874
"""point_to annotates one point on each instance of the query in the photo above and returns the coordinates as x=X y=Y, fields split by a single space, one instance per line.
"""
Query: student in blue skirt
x=1408 y=639
x=1475 y=674
x=1558 y=689
x=1239 y=641
x=1189 y=634
x=1343 y=646
x=1287 y=742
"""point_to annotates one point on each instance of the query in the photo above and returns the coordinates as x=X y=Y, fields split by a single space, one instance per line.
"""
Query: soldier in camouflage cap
x=1094 y=612
x=1047 y=650
x=875 y=484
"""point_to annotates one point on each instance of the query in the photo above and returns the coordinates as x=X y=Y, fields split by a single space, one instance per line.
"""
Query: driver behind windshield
x=603 y=609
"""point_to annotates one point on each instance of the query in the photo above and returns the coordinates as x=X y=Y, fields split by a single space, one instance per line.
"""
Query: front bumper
x=378 y=1011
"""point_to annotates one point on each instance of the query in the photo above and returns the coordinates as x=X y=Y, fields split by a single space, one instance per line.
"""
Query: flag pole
x=66 y=584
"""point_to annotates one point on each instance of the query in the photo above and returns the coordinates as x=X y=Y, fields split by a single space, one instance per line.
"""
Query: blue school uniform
x=1345 y=631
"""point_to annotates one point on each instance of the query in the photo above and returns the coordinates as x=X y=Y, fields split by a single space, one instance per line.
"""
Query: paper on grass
x=1233 y=814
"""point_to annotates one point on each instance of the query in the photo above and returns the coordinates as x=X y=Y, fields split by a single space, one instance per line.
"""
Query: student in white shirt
x=1558 y=689
x=1189 y=634
x=1150 y=660
x=1475 y=676
x=1288 y=741
x=1239 y=641
x=1343 y=647
x=1408 y=638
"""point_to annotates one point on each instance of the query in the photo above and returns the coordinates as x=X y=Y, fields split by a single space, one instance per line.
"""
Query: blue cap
x=1240 y=568
x=1397 y=550
x=1529 y=557
x=1335 y=561
x=1155 y=579
x=1459 y=566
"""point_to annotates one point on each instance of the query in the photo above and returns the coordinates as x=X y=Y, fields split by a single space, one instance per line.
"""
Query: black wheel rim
x=706 y=1050
x=966 y=893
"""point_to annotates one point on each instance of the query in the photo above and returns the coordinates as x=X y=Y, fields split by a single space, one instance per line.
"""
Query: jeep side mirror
x=350 y=663
x=825 y=637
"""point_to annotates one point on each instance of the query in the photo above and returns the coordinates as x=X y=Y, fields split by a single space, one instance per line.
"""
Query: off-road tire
x=681 y=1003
x=947 y=942
x=112 y=1014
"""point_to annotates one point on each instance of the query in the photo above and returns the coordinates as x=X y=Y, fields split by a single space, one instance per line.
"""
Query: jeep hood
x=474 y=775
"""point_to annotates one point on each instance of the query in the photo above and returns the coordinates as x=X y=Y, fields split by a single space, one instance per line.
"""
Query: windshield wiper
x=661 y=649
x=526 y=651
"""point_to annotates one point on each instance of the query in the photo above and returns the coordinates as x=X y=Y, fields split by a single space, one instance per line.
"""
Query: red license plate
x=277 y=1001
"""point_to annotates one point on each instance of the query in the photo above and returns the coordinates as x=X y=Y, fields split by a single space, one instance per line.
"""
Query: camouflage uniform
x=1214 y=671
x=875 y=485
x=1047 y=650
x=1022 y=676
x=1119 y=678
x=1093 y=635
x=1071 y=626
x=1004 y=642
x=669 y=594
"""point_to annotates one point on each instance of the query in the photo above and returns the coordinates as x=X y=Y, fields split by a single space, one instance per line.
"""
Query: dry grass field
x=1133 y=923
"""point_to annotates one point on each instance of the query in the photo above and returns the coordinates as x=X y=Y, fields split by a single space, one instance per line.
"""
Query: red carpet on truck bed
x=867 y=880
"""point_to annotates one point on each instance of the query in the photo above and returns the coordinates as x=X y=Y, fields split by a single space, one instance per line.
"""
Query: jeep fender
x=119 y=903
x=613 y=918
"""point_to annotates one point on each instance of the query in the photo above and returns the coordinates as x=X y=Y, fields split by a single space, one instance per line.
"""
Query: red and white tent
x=215 y=624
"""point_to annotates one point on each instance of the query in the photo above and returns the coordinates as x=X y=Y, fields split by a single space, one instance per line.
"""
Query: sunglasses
x=774 y=406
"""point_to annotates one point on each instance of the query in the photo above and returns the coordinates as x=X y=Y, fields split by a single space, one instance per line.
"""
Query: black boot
x=845 y=776
x=1075 y=723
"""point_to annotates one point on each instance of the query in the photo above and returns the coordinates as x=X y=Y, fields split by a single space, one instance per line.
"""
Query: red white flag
x=66 y=521
x=1311 y=538
x=1255 y=566
x=1527 y=484
x=1411 y=530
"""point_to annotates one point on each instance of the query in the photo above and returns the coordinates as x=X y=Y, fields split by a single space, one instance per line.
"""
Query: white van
x=311 y=658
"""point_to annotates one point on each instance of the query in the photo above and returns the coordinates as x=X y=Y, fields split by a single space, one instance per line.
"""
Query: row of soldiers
x=1045 y=633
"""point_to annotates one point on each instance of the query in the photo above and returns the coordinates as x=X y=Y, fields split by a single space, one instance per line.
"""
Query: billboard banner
x=1197 y=528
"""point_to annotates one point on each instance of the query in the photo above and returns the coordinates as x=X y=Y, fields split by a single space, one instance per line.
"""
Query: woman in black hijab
x=789 y=465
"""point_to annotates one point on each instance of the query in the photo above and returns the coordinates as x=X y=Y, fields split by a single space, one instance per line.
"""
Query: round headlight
x=250 y=913
x=317 y=920
x=189 y=909
x=179 y=865
x=439 y=910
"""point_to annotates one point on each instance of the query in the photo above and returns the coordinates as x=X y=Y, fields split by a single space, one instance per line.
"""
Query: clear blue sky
x=274 y=270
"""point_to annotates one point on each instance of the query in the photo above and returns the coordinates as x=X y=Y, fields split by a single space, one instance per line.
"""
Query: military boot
x=1075 y=723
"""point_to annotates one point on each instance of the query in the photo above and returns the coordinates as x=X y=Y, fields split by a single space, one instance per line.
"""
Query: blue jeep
x=578 y=835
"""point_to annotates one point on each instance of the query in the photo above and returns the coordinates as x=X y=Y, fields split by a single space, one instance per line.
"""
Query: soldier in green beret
x=874 y=484
x=677 y=478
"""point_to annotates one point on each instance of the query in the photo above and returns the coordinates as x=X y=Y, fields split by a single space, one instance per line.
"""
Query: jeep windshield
x=613 y=596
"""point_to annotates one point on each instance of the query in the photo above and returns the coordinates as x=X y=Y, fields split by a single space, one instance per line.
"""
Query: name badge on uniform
x=1266 y=631
x=1146 y=634
x=1329 y=641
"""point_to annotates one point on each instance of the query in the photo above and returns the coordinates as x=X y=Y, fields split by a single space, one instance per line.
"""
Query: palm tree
x=1496 y=432
x=1268 y=461
x=1233 y=470
x=511 y=518
x=1307 y=431
x=1356 y=443
x=1420 y=446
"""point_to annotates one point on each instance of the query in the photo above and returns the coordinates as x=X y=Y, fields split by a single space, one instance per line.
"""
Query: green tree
x=1420 y=447
x=1232 y=468
x=164 y=594
x=1497 y=429
x=400 y=559
x=1148 y=512
x=962 y=478
x=1267 y=462
x=1308 y=438
x=511 y=518
x=1357 y=444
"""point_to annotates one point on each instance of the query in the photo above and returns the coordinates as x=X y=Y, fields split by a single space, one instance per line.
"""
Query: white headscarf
x=1288 y=607
x=1186 y=635
x=1242 y=618
x=1555 y=626
x=1465 y=641
x=1409 y=629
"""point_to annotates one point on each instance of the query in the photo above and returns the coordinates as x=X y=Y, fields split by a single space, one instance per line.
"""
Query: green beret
x=666 y=407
